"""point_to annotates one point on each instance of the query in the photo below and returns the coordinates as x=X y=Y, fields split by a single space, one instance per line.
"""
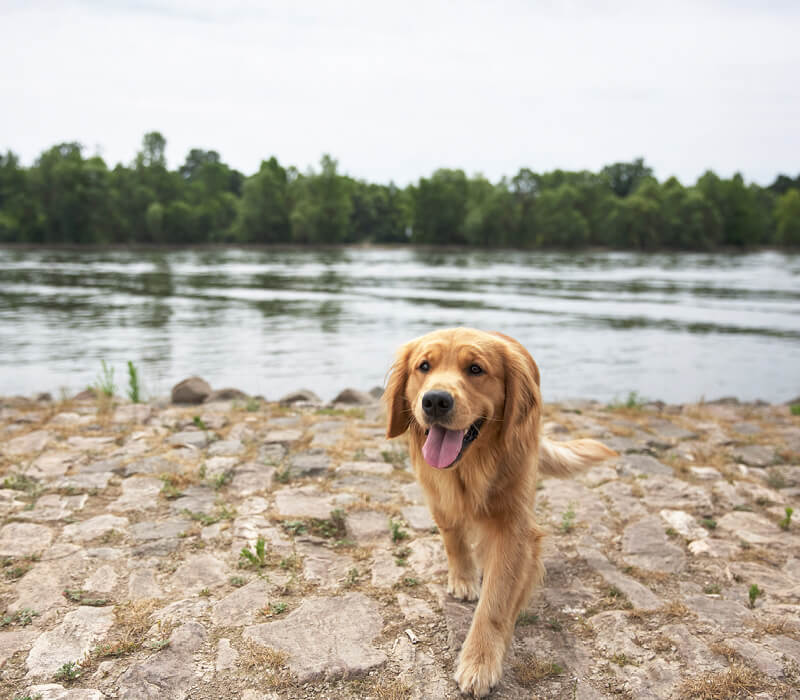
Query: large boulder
x=227 y=394
x=300 y=396
x=191 y=390
x=354 y=396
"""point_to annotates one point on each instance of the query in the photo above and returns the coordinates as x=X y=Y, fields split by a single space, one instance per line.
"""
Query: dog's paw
x=478 y=672
x=464 y=587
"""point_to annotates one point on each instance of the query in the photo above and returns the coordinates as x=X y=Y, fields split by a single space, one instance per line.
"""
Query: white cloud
x=397 y=91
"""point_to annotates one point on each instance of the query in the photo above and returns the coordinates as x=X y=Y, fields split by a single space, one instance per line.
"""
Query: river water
x=676 y=327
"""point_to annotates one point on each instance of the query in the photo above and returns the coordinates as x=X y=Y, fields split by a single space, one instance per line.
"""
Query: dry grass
x=392 y=690
x=728 y=652
x=736 y=682
x=530 y=669
x=271 y=662
x=261 y=657
x=782 y=626
x=132 y=623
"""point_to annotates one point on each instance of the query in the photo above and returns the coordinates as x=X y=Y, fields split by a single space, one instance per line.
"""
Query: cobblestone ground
x=673 y=570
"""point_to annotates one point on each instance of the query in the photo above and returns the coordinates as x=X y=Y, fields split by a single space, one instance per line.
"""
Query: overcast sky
x=396 y=90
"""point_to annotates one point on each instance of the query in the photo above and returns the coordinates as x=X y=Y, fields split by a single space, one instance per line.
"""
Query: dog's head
x=462 y=386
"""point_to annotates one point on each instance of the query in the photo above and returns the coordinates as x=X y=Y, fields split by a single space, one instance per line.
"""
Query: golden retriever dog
x=471 y=405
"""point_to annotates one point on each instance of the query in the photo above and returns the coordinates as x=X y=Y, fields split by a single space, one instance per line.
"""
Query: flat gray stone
x=354 y=396
x=24 y=539
x=693 y=651
x=754 y=455
x=413 y=608
x=29 y=443
x=169 y=674
x=304 y=502
x=241 y=607
x=226 y=448
x=283 y=437
x=94 y=527
x=378 y=488
x=324 y=567
x=750 y=527
x=418 y=517
x=726 y=615
x=14 y=641
x=153 y=465
x=645 y=545
x=142 y=584
x=385 y=570
x=377 y=468
x=195 y=499
x=137 y=413
x=52 y=507
x=667 y=492
x=199 y=571
x=139 y=493
x=52 y=464
x=684 y=524
x=762 y=657
x=705 y=473
x=226 y=657
x=367 y=526
x=311 y=463
x=314 y=652
x=41 y=589
x=613 y=636
x=103 y=580
x=147 y=531
x=70 y=640
x=413 y=493
x=252 y=478
x=427 y=557
x=640 y=596
x=191 y=438
x=92 y=481
x=642 y=464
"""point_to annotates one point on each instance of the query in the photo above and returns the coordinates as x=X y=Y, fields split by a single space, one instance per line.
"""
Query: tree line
x=67 y=198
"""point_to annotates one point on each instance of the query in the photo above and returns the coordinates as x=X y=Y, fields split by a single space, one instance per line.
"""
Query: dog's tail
x=564 y=459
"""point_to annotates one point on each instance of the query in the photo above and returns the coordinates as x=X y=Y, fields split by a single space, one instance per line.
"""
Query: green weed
x=754 y=593
x=134 y=388
x=397 y=533
x=709 y=523
x=257 y=559
x=81 y=597
x=786 y=522
x=105 y=380
x=68 y=672
x=568 y=519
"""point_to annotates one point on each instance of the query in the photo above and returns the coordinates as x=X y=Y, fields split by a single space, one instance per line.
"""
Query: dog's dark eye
x=475 y=369
x=424 y=367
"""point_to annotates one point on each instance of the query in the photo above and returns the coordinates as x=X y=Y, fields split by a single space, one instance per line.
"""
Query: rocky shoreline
x=239 y=548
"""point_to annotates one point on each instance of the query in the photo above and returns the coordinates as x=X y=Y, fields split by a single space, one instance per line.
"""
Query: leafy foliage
x=68 y=198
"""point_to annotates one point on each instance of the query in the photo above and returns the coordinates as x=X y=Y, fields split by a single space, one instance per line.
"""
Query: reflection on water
x=670 y=326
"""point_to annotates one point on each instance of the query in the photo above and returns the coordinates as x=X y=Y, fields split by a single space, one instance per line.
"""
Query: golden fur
x=483 y=503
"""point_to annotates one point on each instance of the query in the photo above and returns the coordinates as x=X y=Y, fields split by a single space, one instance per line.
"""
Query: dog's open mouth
x=444 y=447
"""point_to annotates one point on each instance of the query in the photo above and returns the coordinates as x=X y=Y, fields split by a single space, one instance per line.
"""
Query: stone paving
x=673 y=570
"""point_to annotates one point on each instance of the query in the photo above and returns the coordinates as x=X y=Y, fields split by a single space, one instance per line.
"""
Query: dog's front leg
x=463 y=577
x=511 y=571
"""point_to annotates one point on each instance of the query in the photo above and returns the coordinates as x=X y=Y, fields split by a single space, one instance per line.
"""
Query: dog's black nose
x=437 y=404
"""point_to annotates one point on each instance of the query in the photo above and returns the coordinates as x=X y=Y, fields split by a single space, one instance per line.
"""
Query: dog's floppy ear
x=523 y=399
x=398 y=410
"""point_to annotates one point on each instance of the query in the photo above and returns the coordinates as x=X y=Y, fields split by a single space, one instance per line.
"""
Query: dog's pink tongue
x=442 y=446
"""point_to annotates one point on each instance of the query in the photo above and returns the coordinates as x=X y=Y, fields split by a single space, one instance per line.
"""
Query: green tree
x=624 y=178
x=441 y=208
x=787 y=215
x=322 y=205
